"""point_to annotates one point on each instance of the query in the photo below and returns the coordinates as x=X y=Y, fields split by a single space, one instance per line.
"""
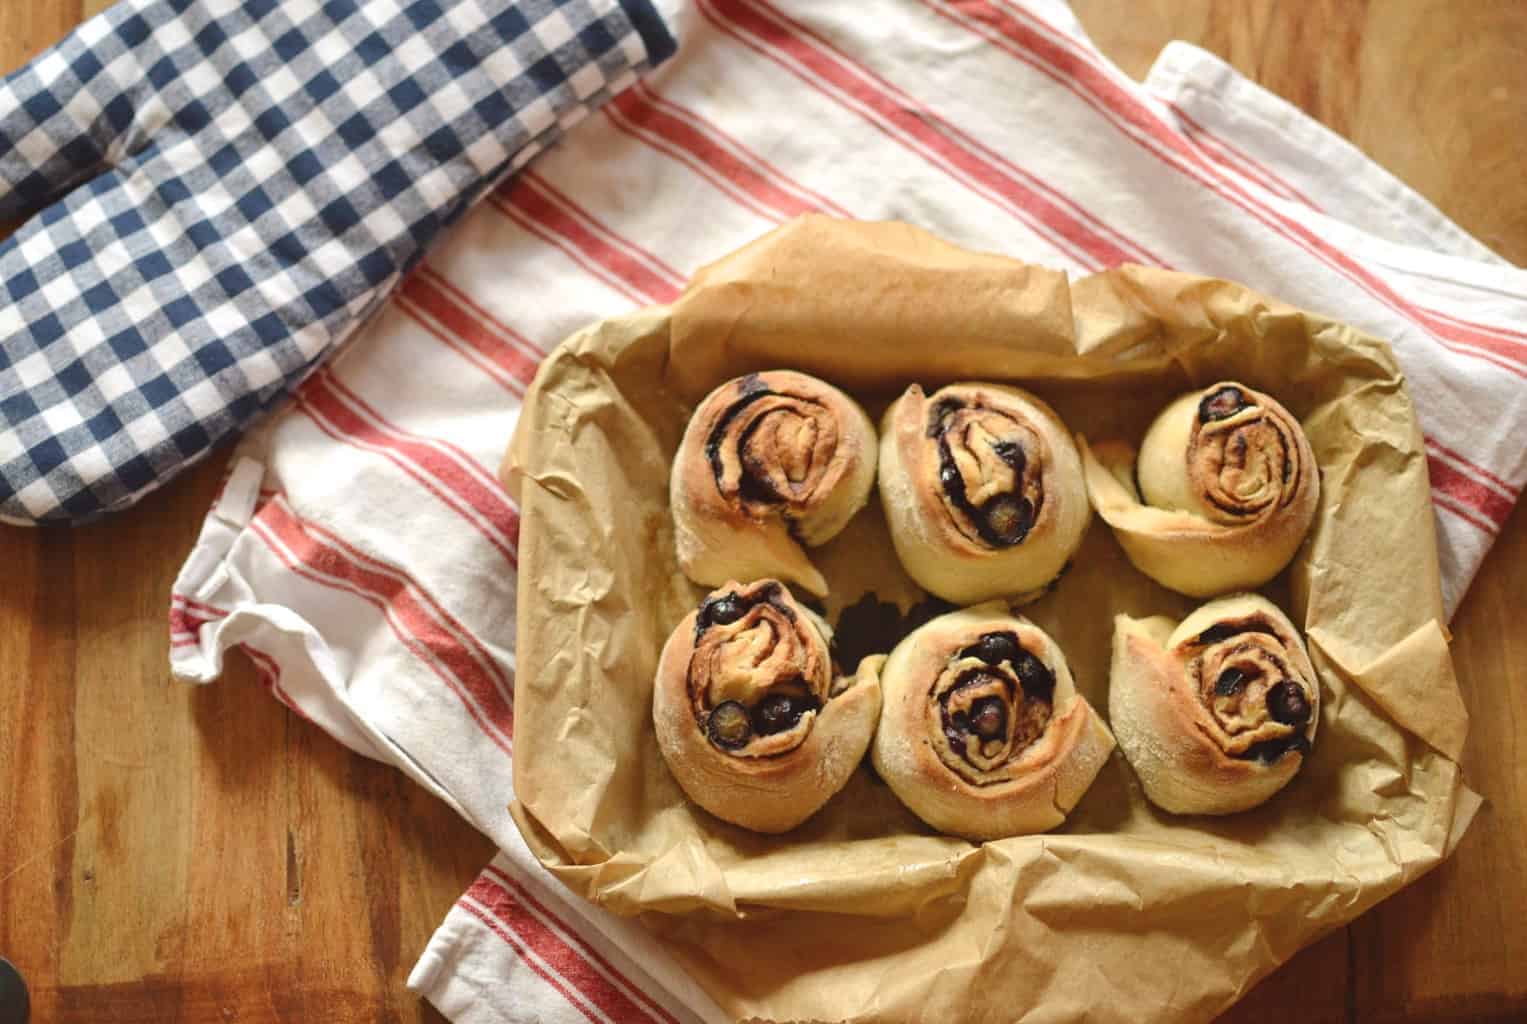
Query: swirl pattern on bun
x=983 y=491
x=1223 y=491
x=1217 y=713
x=751 y=716
x=769 y=462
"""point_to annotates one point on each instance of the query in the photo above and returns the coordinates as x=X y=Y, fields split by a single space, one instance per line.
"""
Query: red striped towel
x=364 y=556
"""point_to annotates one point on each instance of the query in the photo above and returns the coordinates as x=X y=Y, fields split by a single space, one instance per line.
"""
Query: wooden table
x=179 y=854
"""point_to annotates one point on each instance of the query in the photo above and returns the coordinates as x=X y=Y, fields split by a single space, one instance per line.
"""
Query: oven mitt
x=220 y=191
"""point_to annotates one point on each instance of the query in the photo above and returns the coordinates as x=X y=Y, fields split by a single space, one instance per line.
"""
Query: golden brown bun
x=1044 y=746
x=768 y=462
x=769 y=774
x=1228 y=488
x=1193 y=707
x=983 y=491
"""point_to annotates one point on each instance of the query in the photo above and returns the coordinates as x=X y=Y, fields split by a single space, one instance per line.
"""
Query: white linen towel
x=364 y=555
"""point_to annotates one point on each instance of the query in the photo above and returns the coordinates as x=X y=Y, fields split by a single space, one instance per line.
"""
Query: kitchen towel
x=363 y=554
x=224 y=190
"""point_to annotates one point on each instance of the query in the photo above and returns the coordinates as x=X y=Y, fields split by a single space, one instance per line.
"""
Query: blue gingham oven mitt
x=221 y=191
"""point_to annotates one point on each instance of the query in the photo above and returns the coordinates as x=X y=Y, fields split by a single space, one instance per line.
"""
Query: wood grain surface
x=170 y=853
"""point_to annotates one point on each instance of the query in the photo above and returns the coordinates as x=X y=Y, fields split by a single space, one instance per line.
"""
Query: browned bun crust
x=768 y=462
x=1026 y=772
x=1227 y=490
x=983 y=491
x=1192 y=707
x=774 y=650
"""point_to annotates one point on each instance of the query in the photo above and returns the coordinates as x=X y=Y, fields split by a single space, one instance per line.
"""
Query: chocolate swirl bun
x=982 y=733
x=1217 y=714
x=750 y=715
x=769 y=462
x=983 y=491
x=1228 y=488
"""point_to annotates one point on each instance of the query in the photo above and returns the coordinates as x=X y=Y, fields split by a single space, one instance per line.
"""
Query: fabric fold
x=378 y=526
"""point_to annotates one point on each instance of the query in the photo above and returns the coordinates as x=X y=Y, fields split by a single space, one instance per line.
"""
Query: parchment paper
x=1125 y=913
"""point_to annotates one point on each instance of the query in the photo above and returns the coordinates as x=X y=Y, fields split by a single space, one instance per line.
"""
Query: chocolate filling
x=753 y=484
x=718 y=432
x=1269 y=751
x=941 y=411
x=1225 y=630
x=1011 y=453
x=1230 y=682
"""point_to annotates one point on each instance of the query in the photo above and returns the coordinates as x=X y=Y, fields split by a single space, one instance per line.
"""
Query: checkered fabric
x=222 y=191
